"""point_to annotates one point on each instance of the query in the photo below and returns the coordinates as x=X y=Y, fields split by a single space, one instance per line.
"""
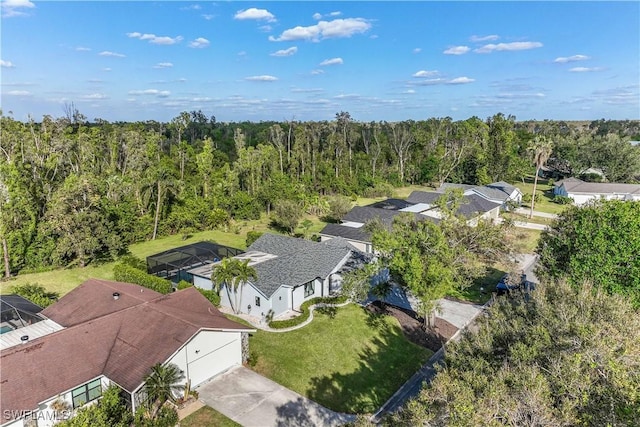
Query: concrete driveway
x=255 y=401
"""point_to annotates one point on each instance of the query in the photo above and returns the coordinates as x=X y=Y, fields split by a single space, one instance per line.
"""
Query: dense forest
x=74 y=192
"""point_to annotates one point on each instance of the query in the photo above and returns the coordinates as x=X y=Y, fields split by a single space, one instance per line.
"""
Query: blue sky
x=309 y=60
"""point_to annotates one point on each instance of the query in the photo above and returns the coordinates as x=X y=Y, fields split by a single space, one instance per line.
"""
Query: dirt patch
x=411 y=326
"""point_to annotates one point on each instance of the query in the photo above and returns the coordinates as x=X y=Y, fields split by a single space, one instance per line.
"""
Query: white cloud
x=460 y=81
x=332 y=61
x=163 y=65
x=263 y=78
x=325 y=30
x=158 y=93
x=574 y=58
x=457 y=50
x=11 y=8
x=430 y=82
x=113 y=54
x=6 y=64
x=106 y=69
x=409 y=91
x=265 y=28
x=489 y=38
x=83 y=49
x=488 y=48
x=317 y=16
x=520 y=95
x=584 y=69
x=254 y=13
x=192 y=7
x=336 y=13
x=19 y=93
x=423 y=73
x=627 y=95
x=317 y=72
x=208 y=17
x=199 y=43
x=285 y=52
x=417 y=50
x=164 y=40
x=95 y=96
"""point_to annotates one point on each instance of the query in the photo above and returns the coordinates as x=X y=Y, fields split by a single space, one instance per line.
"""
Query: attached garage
x=208 y=354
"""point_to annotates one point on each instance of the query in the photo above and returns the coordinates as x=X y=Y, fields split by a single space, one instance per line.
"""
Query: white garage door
x=217 y=360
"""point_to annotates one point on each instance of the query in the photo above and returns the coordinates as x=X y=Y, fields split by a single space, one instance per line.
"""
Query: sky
x=308 y=60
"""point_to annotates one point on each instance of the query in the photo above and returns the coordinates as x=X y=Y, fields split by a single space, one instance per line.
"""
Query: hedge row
x=126 y=273
x=304 y=308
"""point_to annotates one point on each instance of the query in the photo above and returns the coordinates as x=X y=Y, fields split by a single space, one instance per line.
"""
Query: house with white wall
x=498 y=192
x=582 y=192
x=289 y=271
x=113 y=333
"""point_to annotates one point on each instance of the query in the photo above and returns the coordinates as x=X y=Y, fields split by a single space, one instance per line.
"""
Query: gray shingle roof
x=390 y=204
x=474 y=205
x=448 y=185
x=299 y=261
x=496 y=191
x=339 y=230
x=423 y=197
x=601 y=188
x=363 y=214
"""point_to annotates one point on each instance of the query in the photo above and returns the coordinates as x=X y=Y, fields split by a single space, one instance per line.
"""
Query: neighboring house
x=582 y=192
x=497 y=192
x=113 y=333
x=422 y=204
x=290 y=271
x=472 y=206
x=21 y=318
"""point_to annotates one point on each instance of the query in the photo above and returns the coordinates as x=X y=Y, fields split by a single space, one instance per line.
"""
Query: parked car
x=507 y=284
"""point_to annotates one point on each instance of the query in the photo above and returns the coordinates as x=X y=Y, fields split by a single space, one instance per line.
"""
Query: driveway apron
x=255 y=401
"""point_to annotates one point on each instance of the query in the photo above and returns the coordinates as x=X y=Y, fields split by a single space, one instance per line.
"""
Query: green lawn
x=207 y=417
x=545 y=195
x=350 y=363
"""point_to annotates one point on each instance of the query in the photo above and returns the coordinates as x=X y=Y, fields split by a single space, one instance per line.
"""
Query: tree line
x=74 y=192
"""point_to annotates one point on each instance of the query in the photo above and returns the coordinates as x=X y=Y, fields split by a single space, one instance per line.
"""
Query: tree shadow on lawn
x=301 y=413
x=383 y=366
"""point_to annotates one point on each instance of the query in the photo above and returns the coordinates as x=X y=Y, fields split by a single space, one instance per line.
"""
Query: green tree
x=233 y=274
x=540 y=150
x=339 y=206
x=287 y=214
x=599 y=243
x=160 y=384
x=559 y=356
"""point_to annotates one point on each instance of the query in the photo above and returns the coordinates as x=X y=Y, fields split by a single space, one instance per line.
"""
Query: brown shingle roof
x=94 y=298
x=122 y=345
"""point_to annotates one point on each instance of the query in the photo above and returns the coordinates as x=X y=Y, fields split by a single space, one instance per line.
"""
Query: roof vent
x=24 y=338
x=116 y=295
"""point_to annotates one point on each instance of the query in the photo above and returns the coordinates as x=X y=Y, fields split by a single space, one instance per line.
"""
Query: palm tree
x=233 y=274
x=160 y=384
x=541 y=150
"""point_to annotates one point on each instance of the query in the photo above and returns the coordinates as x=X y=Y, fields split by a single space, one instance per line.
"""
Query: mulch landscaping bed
x=411 y=326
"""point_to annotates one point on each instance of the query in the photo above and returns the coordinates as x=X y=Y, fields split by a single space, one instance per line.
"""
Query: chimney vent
x=116 y=295
x=24 y=338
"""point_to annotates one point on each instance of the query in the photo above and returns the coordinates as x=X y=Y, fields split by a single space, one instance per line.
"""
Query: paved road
x=252 y=400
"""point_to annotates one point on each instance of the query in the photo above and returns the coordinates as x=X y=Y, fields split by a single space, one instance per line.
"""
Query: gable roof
x=496 y=191
x=122 y=345
x=567 y=181
x=94 y=298
x=601 y=188
x=298 y=261
x=446 y=185
x=390 y=204
x=342 y=231
x=470 y=205
x=428 y=197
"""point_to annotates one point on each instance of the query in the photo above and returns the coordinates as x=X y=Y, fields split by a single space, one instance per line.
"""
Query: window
x=86 y=393
x=257 y=301
x=308 y=289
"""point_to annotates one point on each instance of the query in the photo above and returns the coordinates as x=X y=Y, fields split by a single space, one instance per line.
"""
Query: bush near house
x=304 y=308
x=128 y=274
x=35 y=293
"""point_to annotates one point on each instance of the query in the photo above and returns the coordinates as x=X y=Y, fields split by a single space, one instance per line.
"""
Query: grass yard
x=207 y=417
x=525 y=218
x=350 y=363
x=545 y=195
x=480 y=291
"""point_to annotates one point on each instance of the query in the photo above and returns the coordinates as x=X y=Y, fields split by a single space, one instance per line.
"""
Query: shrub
x=304 y=308
x=252 y=236
x=211 y=295
x=35 y=293
x=183 y=284
x=526 y=198
x=128 y=274
x=133 y=261
x=381 y=189
x=563 y=200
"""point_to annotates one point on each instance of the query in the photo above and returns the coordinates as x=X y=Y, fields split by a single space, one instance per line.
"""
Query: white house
x=113 y=333
x=497 y=192
x=582 y=192
x=290 y=271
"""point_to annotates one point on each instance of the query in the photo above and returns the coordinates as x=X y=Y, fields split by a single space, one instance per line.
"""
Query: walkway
x=259 y=323
x=529 y=225
x=252 y=400
x=525 y=211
